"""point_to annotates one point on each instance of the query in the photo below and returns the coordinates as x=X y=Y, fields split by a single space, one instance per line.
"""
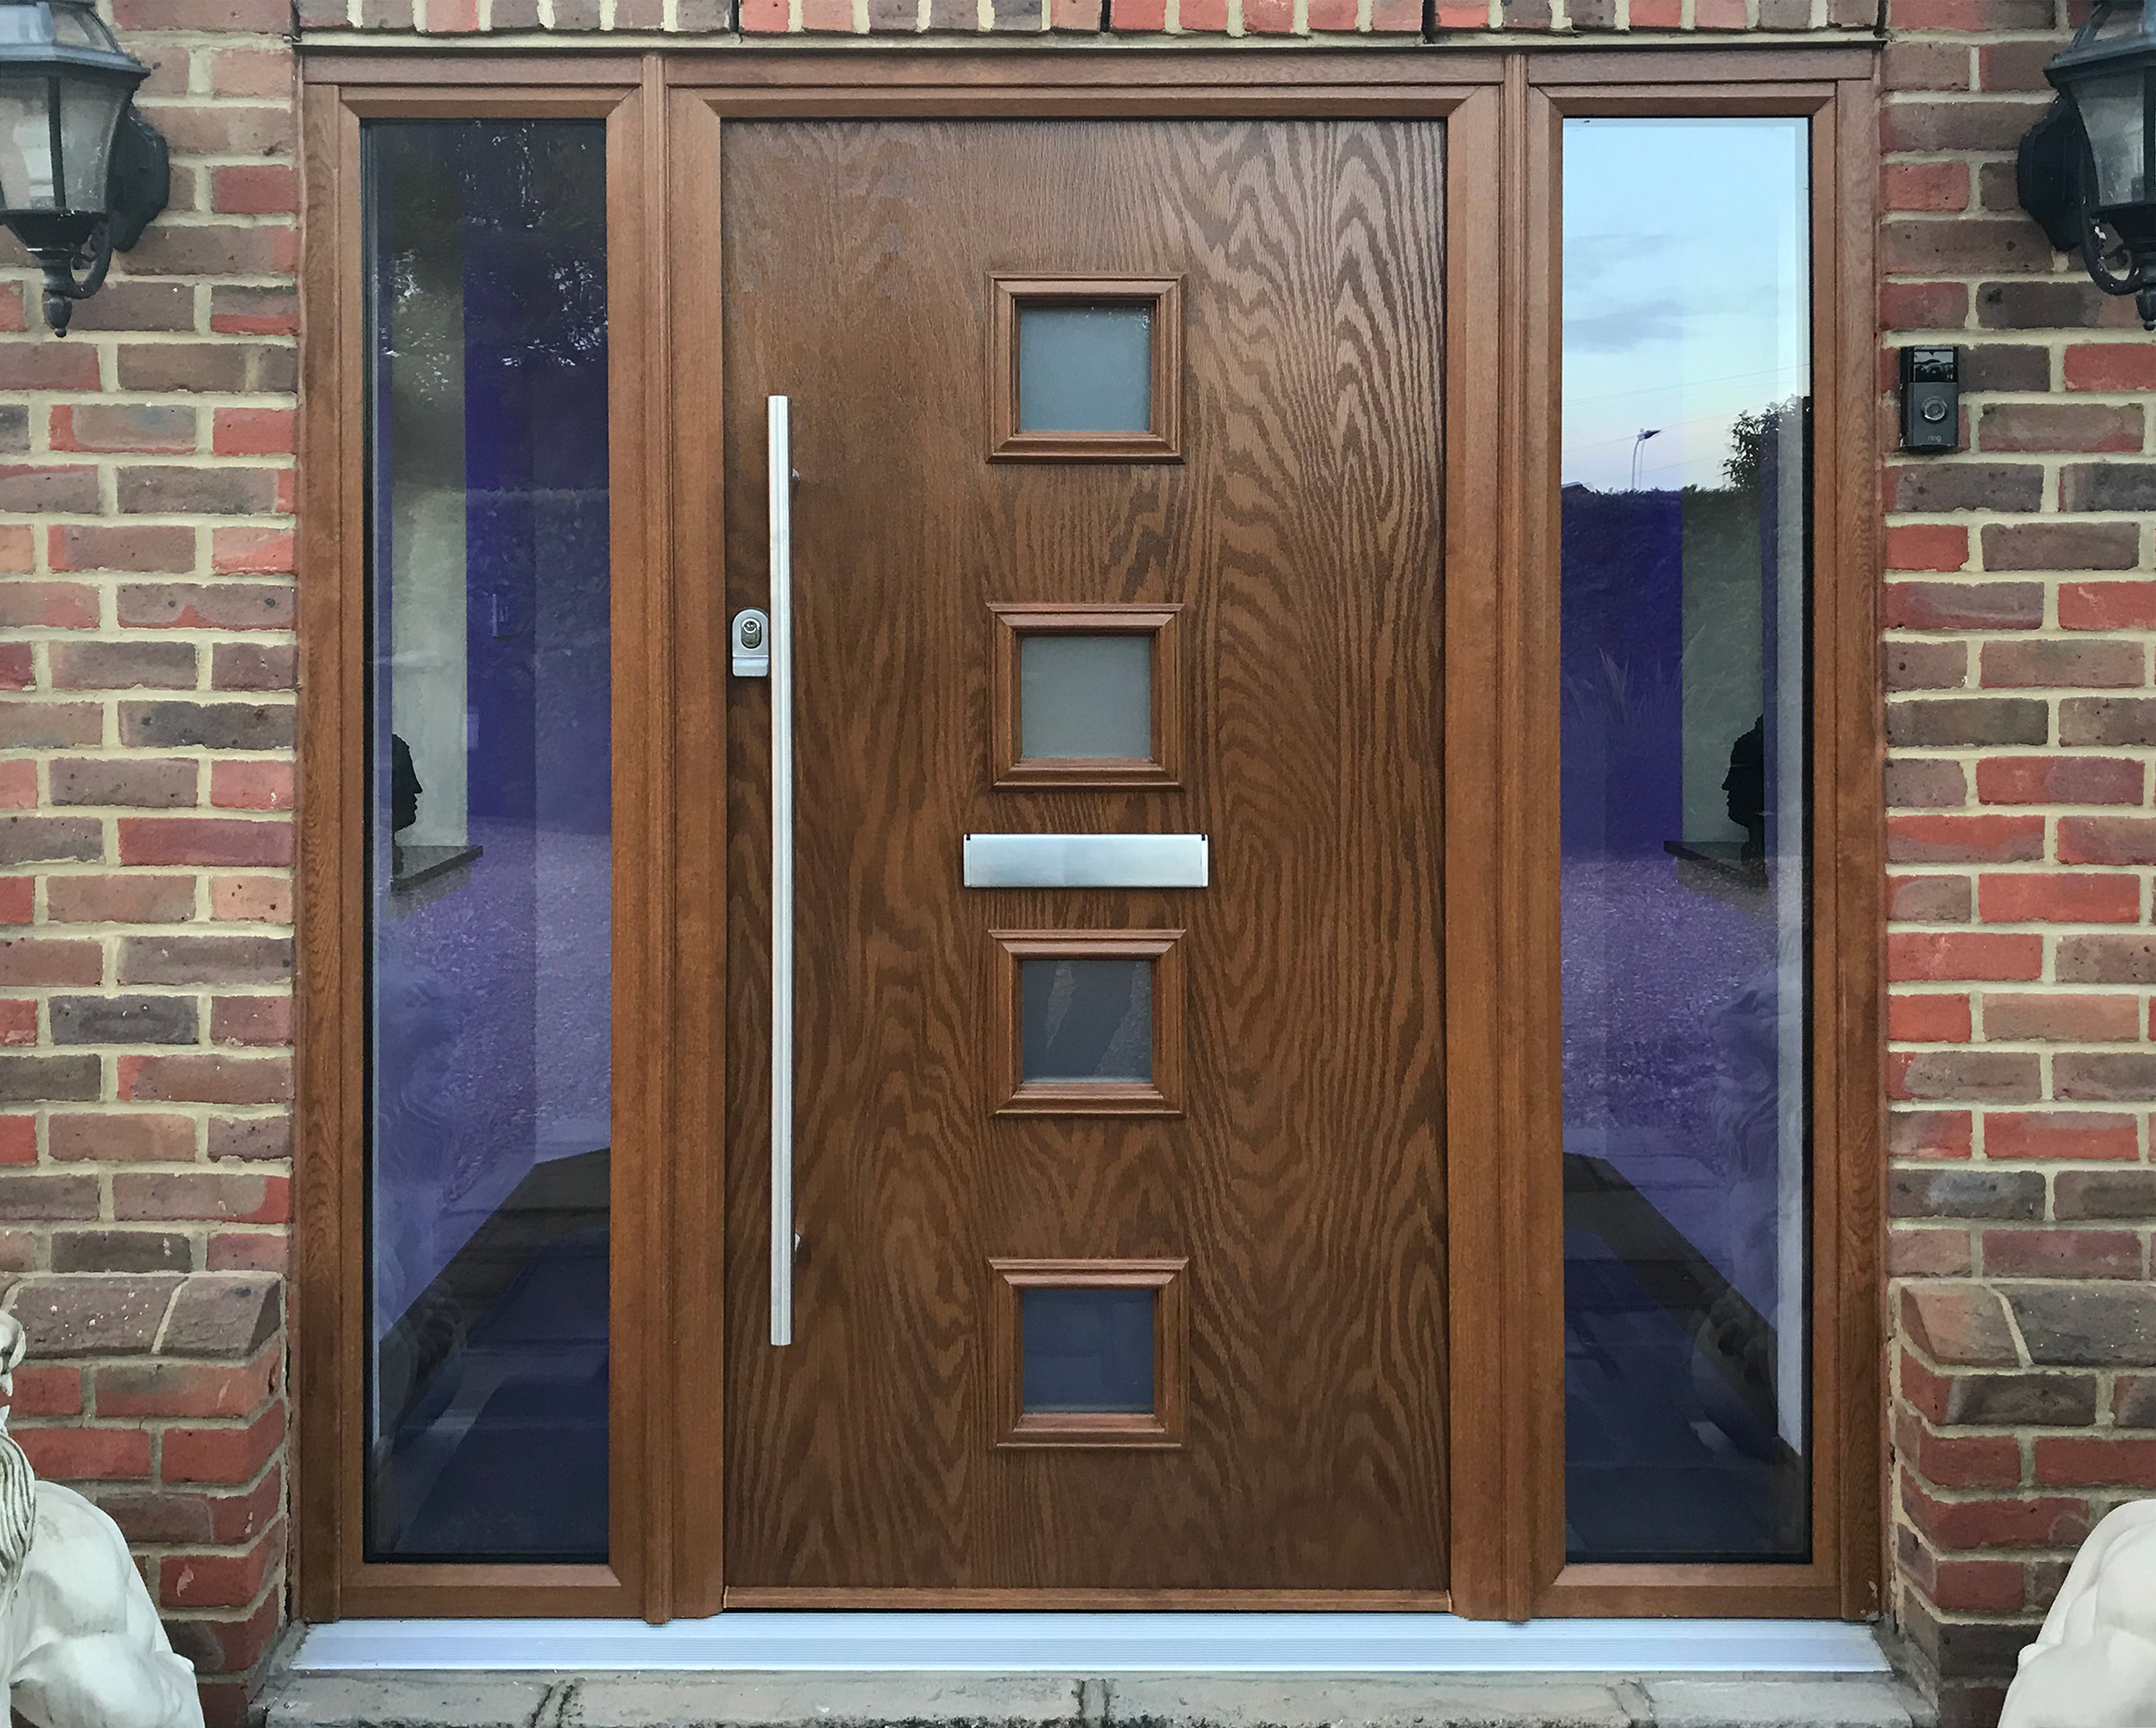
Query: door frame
x=665 y=114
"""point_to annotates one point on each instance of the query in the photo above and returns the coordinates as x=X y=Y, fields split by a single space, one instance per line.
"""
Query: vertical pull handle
x=780 y=475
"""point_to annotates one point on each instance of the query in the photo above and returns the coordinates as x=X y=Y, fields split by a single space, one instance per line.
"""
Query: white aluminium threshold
x=803 y=1642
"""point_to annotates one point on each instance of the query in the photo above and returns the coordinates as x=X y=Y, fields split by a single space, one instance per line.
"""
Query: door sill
x=750 y=1641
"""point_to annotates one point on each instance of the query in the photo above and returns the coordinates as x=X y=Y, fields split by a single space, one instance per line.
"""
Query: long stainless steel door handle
x=780 y=475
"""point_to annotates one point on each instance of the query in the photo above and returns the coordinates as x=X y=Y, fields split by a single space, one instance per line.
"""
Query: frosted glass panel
x=1085 y=368
x=1087 y=1350
x=1084 y=696
x=1087 y=1020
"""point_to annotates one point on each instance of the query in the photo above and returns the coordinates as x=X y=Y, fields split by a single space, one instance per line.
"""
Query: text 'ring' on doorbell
x=1931 y=399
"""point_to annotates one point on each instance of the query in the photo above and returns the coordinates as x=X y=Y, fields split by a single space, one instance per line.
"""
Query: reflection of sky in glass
x=1699 y=303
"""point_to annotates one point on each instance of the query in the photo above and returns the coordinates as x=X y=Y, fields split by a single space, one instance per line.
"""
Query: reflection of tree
x=513 y=181
x=1749 y=434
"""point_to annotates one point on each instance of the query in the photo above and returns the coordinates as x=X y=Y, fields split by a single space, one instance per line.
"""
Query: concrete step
x=738 y=1700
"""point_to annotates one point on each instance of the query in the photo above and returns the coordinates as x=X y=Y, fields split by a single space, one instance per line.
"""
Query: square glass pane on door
x=1086 y=697
x=1086 y=1350
x=1085 y=368
x=1086 y=1019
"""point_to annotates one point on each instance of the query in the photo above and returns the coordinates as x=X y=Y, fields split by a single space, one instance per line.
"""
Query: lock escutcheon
x=751 y=644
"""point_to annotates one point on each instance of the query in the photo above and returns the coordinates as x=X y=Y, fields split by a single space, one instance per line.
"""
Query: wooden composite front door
x=1121 y=1260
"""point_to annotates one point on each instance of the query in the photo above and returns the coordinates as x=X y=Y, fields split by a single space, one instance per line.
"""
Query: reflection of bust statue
x=2094 y=1663
x=404 y=787
x=1745 y=786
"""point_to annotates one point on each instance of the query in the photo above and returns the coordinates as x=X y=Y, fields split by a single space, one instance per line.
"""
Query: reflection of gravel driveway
x=1653 y=975
x=515 y=1055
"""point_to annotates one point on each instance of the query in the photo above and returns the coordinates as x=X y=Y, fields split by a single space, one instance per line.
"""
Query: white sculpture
x=79 y=1634
x=2094 y=1663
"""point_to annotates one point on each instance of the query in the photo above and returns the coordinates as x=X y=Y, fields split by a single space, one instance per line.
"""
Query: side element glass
x=1686 y=468
x=489 y=826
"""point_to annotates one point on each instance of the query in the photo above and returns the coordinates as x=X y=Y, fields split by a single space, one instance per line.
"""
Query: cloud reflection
x=1619 y=329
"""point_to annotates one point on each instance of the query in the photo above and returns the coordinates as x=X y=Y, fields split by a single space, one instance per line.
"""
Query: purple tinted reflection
x=491 y=853
x=1682 y=786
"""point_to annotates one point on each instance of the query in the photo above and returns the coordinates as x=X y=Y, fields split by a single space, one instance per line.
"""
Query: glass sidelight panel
x=1086 y=1019
x=1686 y=460
x=1085 y=368
x=489 y=830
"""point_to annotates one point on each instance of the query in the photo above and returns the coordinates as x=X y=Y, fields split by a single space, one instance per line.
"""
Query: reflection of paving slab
x=502 y=1449
x=1660 y=1464
x=545 y=1441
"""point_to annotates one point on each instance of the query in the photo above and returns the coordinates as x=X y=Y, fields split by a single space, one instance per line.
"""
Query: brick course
x=147 y=804
x=2025 y=1286
x=147 y=551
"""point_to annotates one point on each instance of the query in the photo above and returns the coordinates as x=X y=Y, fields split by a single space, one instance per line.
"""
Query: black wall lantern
x=2086 y=168
x=81 y=173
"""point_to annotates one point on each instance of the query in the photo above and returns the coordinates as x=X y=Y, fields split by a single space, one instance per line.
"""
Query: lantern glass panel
x=2110 y=111
x=89 y=114
x=2115 y=22
x=20 y=25
x=72 y=28
x=26 y=143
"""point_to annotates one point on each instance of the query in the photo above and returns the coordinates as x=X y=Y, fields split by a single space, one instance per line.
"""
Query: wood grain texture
x=1852 y=1208
x=695 y=1237
x=640 y=1424
x=1249 y=1601
x=327 y=1165
x=1482 y=329
x=1531 y=1074
x=1504 y=1456
x=1302 y=536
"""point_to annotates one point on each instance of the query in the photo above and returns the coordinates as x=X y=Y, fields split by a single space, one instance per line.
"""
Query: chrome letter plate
x=1086 y=861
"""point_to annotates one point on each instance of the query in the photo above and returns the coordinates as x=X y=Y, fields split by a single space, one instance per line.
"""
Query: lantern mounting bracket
x=141 y=178
x=2047 y=175
x=60 y=262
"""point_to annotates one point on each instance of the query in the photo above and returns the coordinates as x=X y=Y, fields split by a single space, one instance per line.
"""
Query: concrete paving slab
x=915 y=1699
x=1782 y=1701
x=403 y=1700
x=1364 y=1701
x=777 y=1700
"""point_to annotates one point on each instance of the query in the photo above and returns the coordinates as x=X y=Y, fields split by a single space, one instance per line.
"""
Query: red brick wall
x=147 y=775
x=145 y=759
x=2020 y=718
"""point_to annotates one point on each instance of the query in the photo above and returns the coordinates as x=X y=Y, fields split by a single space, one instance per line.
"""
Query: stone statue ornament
x=79 y=1634
x=2094 y=1663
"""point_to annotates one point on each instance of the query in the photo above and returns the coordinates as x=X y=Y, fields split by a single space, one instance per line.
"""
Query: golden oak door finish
x=1122 y=1258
